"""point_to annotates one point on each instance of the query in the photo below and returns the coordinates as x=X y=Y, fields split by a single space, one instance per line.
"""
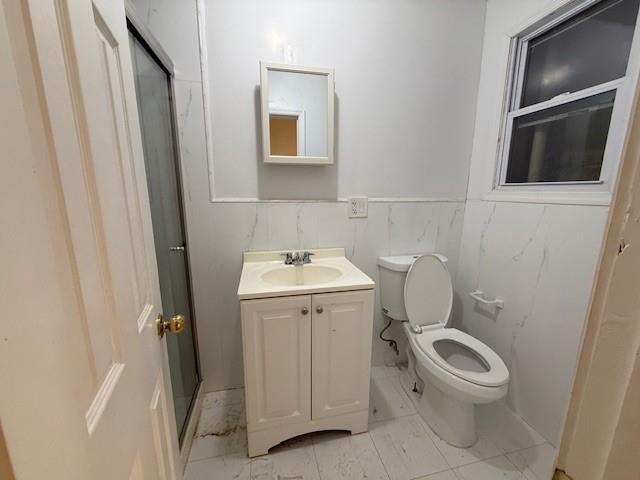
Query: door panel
x=161 y=431
x=341 y=332
x=276 y=337
x=108 y=365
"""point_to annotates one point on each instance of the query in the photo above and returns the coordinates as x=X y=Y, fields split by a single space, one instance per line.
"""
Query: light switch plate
x=358 y=207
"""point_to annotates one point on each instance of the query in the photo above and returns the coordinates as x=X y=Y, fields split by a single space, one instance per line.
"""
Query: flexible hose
x=390 y=341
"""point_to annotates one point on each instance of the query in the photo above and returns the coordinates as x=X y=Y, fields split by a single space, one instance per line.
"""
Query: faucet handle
x=288 y=258
x=306 y=257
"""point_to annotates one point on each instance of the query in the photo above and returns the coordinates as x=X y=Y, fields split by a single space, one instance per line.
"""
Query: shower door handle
x=177 y=248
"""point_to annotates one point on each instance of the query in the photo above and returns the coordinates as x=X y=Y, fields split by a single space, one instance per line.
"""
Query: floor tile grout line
x=373 y=442
x=426 y=429
x=493 y=457
x=517 y=450
x=368 y=434
x=422 y=421
x=407 y=402
x=315 y=457
x=433 y=473
x=529 y=448
x=428 y=437
x=216 y=456
x=394 y=417
x=403 y=392
x=522 y=470
x=512 y=463
x=453 y=467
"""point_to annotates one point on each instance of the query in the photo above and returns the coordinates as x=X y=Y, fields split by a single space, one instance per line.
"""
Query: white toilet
x=452 y=370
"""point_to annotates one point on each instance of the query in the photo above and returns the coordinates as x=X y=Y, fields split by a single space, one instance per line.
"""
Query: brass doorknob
x=174 y=324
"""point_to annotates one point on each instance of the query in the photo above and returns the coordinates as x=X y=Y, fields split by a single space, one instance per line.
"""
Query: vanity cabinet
x=306 y=363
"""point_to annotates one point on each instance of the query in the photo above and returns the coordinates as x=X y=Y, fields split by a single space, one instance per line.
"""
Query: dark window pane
x=588 y=49
x=561 y=144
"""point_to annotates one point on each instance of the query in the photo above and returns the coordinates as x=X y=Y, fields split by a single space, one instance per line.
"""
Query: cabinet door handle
x=305 y=310
x=319 y=309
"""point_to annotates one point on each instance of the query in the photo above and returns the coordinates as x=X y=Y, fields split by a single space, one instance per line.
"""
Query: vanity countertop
x=265 y=275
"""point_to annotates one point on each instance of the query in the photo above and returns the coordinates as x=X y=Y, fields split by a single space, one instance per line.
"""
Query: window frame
x=516 y=75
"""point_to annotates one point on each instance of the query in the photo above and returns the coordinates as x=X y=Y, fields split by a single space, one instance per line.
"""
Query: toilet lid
x=494 y=372
x=428 y=293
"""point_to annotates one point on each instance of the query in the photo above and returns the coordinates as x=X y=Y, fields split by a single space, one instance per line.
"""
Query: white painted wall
x=539 y=257
x=404 y=127
x=406 y=77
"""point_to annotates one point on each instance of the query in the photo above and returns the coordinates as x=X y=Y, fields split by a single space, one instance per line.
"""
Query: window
x=565 y=79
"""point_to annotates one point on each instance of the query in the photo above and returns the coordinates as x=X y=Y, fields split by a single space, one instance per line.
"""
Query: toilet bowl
x=452 y=370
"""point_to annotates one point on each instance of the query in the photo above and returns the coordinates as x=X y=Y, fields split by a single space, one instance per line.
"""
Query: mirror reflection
x=297 y=114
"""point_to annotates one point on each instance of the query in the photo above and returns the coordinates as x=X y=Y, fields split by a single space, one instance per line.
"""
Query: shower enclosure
x=155 y=107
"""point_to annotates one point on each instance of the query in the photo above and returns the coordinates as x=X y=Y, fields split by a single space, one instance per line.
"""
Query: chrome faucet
x=305 y=257
x=297 y=258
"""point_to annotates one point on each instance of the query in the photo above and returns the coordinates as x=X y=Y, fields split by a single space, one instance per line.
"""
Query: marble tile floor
x=398 y=445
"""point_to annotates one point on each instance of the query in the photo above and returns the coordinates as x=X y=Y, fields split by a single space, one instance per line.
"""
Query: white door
x=83 y=373
x=276 y=337
x=341 y=346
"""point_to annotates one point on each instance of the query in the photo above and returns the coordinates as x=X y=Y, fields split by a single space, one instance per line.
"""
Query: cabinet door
x=276 y=337
x=341 y=333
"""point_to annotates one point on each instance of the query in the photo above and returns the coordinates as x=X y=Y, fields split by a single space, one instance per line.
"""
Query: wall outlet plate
x=358 y=207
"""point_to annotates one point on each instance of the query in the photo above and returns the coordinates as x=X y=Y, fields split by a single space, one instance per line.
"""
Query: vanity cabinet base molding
x=306 y=365
x=261 y=441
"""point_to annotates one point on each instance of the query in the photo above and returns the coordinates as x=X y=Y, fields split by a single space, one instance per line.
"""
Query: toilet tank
x=393 y=272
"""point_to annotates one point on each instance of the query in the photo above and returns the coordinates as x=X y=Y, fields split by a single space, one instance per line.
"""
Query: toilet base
x=454 y=421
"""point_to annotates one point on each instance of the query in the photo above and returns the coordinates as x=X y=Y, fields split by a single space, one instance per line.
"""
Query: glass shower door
x=155 y=108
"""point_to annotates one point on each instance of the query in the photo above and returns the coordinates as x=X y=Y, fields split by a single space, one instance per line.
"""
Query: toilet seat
x=497 y=374
x=428 y=293
x=428 y=296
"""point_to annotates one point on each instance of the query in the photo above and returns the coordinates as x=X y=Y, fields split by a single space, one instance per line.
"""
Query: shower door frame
x=155 y=50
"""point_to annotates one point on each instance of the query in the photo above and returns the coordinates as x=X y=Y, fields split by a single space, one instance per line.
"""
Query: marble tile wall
x=391 y=228
x=539 y=258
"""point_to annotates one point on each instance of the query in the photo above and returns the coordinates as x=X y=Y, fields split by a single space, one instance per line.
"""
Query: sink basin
x=264 y=275
x=302 y=275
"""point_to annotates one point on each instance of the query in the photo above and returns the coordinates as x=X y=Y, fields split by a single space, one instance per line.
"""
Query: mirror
x=297 y=114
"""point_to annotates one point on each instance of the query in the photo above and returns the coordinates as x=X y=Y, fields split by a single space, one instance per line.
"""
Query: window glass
x=561 y=144
x=588 y=49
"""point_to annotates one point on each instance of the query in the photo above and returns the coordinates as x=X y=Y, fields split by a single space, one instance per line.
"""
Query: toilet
x=451 y=370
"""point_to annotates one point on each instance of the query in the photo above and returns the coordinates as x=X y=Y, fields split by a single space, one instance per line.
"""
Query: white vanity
x=306 y=337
